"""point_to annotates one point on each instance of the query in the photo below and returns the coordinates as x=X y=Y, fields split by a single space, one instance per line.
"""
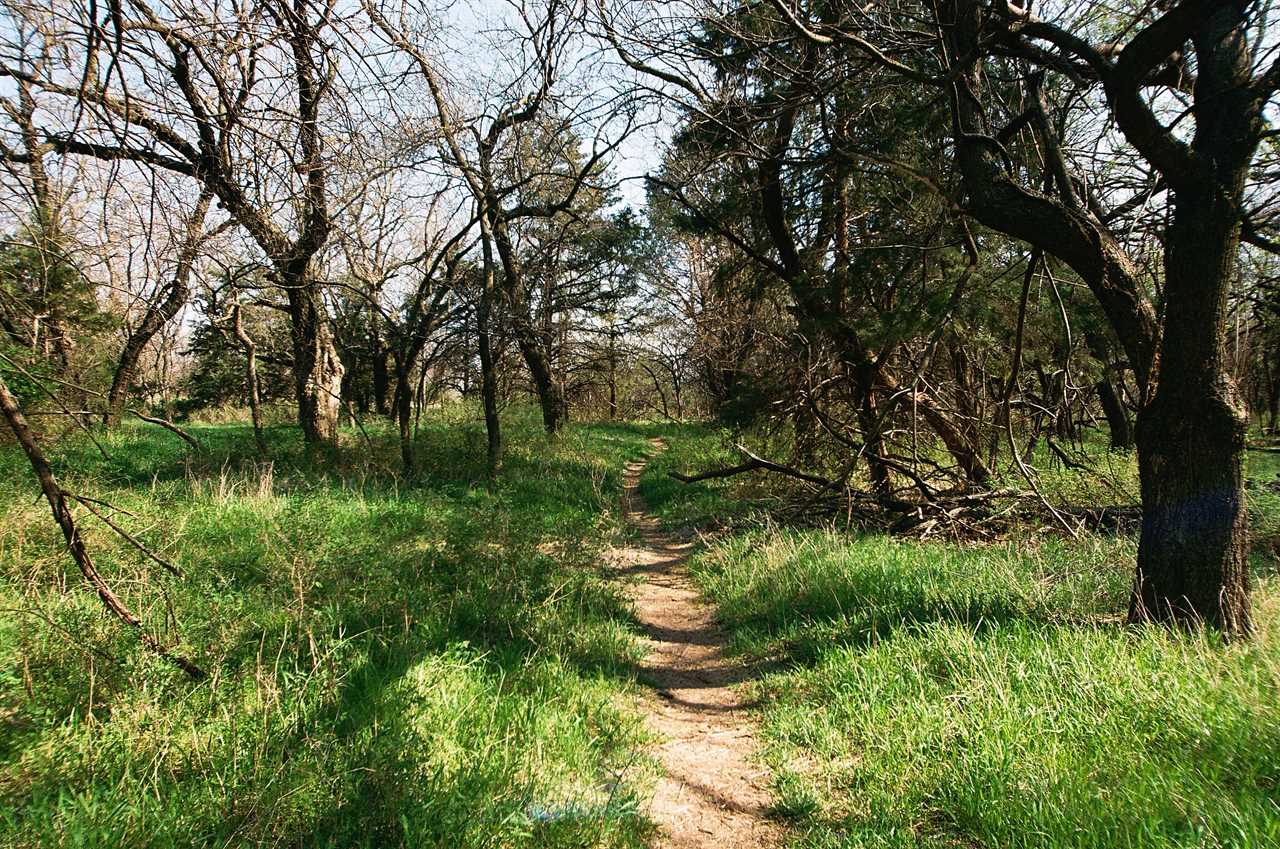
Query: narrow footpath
x=714 y=792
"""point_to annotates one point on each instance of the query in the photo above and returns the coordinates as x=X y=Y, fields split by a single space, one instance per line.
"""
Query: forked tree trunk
x=317 y=370
x=158 y=314
x=1190 y=430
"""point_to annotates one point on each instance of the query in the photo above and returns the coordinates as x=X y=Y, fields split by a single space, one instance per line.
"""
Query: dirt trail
x=713 y=793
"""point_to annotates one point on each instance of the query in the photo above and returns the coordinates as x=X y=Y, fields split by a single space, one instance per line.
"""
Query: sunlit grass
x=424 y=662
x=925 y=694
x=435 y=662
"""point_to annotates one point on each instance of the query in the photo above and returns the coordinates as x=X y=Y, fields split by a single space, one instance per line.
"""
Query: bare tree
x=410 y=287
x=236 y=103
x=160 y=310
x=486 y=150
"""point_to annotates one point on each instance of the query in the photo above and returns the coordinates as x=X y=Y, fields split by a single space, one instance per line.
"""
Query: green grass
x=431 y=662
x=940 y=695
x=1263 y=490
x=395 y=663
x=691 y=449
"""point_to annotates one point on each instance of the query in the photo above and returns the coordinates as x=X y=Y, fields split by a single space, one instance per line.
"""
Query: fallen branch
x=965 y=513
x=1120 y=517
x=728 y=472
x=771 y=466
x=752 y=464
x=1064 y=457
x=75 y=544
x=170 y=426
x=129 y=538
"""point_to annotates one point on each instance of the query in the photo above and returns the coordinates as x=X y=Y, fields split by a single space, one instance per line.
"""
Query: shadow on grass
x=404 y=574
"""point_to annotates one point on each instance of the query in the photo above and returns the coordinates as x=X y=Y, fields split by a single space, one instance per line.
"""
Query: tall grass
x=424 y=662
x=941 y=695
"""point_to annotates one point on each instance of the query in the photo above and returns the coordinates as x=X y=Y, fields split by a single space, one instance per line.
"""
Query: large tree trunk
x=158 y=314
x=1193 y=555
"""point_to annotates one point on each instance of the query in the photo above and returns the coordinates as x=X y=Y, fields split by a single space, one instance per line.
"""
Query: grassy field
x=395 y=663
x=432 y=662
x=920 y=694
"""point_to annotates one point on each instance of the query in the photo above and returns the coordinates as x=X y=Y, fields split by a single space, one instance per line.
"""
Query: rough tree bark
x=1193 y=554
x=317 y=368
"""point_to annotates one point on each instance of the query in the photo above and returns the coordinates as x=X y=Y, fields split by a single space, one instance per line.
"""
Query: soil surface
x=714 y=792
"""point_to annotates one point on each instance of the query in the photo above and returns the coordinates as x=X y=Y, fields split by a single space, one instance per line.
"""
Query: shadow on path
x=714 y=792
